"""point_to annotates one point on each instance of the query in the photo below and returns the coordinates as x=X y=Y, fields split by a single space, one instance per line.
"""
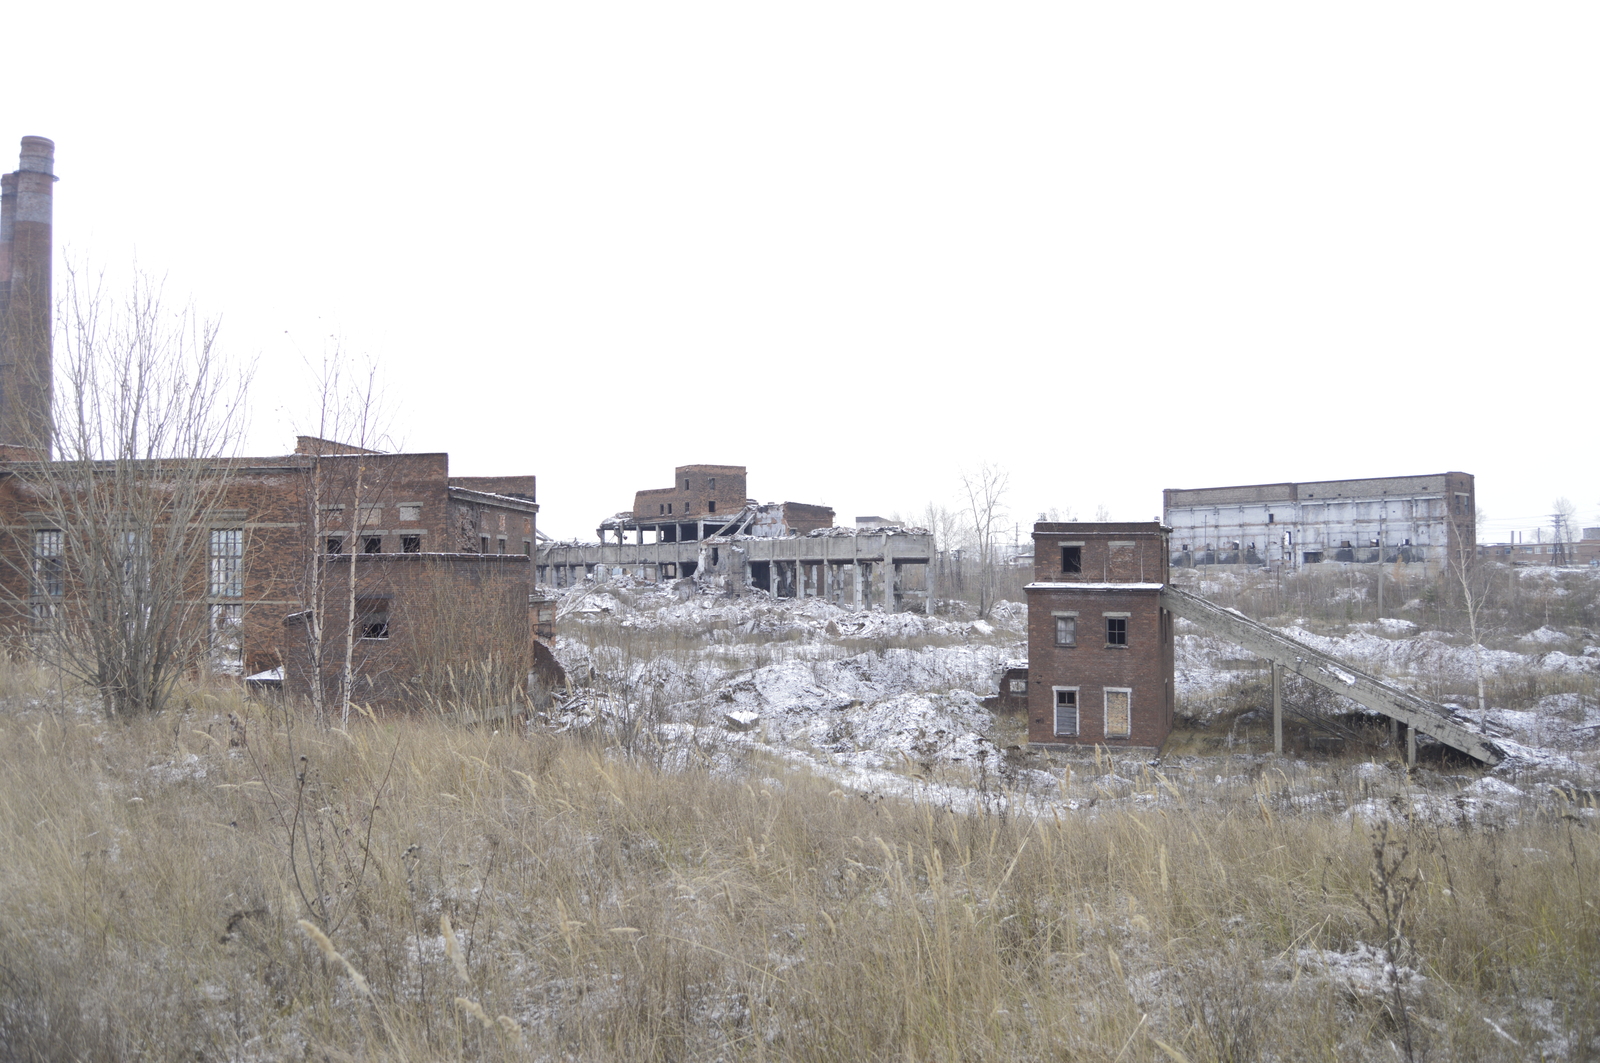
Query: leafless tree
x=124 y=551
x=1474 y=577
x=342 y=484
x=985 y=489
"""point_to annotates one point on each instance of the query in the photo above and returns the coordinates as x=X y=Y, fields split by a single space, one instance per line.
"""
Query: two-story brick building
x=1100 y=646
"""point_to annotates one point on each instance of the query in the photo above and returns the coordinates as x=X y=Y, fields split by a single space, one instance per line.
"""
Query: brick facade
x=292 y=510
x=1097 y=632
x=697 y=490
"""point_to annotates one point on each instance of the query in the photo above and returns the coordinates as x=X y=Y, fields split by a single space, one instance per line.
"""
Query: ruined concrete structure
x=1100 y=647
x=1414 y=519
x=789 y=549
x=424 y=547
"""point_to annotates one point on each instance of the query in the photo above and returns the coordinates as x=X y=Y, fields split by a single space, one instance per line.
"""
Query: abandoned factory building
x=704 y=526
x=1100 y=644
x=1414 y=519
x=431 y=555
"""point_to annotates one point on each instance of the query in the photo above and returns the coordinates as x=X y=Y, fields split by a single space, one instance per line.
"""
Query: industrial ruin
x=704 y=526
x=428 y=553
x=1407 y=519
x=1100 y=667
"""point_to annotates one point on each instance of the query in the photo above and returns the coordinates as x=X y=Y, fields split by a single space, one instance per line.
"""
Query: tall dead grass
x=408 y=890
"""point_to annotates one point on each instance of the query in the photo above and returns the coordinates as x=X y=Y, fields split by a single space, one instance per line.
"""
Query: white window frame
x=1059 y=616
x=1107 y=722
x=1055 y=709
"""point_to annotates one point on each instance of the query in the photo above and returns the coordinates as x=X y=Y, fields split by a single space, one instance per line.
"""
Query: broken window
x=372 y=618
x=411 y=512
x=1119 y=714
x=527 y=547
x=226 y=644
x=372 y=544
x=1066 y=710
x=1066 y=631
x=227 y=562
x=711 y=507
x=1072 y=559
x=713 y=484
x=669 y=509
x=1312 y=557
x=483 y=544
x=500 y=545
x=1116 y=631
x=49 y=582
x=411 y=544
x=335 y=544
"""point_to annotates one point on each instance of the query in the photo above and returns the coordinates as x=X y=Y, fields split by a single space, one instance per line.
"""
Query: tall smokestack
x=25 y=367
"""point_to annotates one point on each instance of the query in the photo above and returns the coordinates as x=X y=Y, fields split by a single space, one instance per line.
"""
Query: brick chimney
x=26 y=314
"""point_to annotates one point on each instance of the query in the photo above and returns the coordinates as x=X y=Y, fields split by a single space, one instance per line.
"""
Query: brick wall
x=695 y=490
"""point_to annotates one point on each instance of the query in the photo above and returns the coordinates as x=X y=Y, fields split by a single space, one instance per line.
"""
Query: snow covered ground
x=893 y=703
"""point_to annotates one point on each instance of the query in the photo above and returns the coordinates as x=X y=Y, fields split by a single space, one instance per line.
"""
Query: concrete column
x=890 y=604
x=1277 y=708
x=1411 y=746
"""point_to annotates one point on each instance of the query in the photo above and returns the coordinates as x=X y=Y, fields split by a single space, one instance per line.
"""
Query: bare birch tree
x=342 y=481
x=1474 y=577
x=985 y=489
x=121 y=550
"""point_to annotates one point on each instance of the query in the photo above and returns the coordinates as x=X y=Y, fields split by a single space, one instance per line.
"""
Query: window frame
x=1116 y=630
x=225 y=568
x=1071 y=559
x=1069 y=618
x=1056 y=707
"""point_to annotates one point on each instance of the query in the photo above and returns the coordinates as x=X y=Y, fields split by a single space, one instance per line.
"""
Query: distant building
x=1413 y=519
x=1585 y=551
x=704 y=526
x=1100 y=645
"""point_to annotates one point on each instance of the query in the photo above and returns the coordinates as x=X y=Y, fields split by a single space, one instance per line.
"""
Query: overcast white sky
x=858 y=247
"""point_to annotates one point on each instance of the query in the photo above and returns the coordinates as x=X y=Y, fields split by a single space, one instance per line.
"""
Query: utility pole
x=1380 y=563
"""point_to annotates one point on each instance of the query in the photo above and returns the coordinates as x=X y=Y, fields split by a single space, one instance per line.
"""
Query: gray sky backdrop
x=858 y=247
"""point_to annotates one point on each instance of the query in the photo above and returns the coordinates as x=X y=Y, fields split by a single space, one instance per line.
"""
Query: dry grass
x=408 y=890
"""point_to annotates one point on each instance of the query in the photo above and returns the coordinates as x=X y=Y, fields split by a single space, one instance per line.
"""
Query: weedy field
x=627 y=878
x=414 y=890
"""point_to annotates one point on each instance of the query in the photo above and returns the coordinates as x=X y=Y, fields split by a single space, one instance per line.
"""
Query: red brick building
x=1100 y=649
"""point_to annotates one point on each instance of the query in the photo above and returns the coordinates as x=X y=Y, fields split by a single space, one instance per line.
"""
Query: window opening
x=1066 y=631
x=372 y=544
x=227 y=562
x=48 y=572
x=1116 y=631
x=711 y=507
x=411 y=544
x=335 y=544
x=1066 y=710
x=372 y=618
x=500 y=545
x=483 y=544
x=1119 y=716
x=226 y=641
x=1072 y=559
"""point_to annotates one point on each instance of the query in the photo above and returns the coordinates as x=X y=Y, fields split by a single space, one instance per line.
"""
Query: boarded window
x=227 y=563
x=1119 y=716
x=1066 y=710
x=1116 y=631
x=411 y=512
x=1066 y=631
x=1018 y=686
